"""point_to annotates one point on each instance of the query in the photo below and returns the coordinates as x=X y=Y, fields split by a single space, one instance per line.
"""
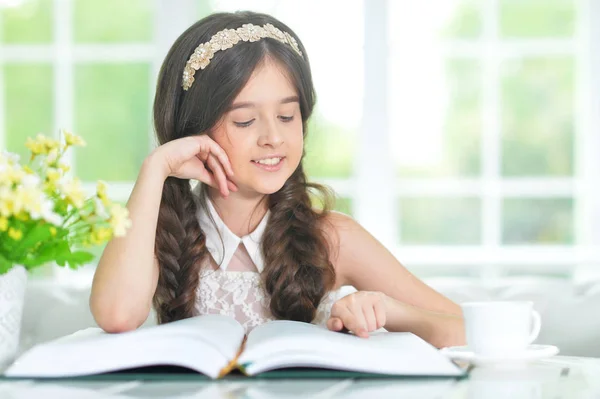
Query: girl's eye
x=248 y=123
x=244 y=124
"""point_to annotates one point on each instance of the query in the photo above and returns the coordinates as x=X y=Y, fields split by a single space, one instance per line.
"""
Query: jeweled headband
x=227 y=38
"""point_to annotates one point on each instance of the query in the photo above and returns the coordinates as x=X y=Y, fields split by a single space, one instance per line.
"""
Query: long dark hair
x=297 y=272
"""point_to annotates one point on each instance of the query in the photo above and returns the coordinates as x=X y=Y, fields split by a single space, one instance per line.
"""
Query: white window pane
x=112 y=113
x=28 y=95
x=457 y=19
x=537 y=18
x=445 y=221
x=538 y=116
x=112 y=21
x=436 y=118
x=436 y=97
x=26 y=22
x=537 y=221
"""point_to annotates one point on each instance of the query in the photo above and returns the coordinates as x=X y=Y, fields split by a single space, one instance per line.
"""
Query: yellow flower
x=6 y=207
x=27 y=198
x=9 y=158
x=50 y=144
x=11 y=175
x=52 y=231
x=22 y=198
x=6 y=201
x=73 y=192
x=15 y=234
x=41 y=145
x=4 y=179
x=73 y=139
x=53 y=174
x=3 y=224
x=35 y=146
x=101 y=193
x=64 y=167
x=119 y=219
x=100 y=235
x=53 y=156
x=24 y=216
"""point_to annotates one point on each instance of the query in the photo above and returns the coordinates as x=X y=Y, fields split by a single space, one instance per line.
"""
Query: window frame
x=376 y=182
x=492 y=258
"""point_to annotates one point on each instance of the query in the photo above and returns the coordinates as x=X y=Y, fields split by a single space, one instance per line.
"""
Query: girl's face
x=262 y=131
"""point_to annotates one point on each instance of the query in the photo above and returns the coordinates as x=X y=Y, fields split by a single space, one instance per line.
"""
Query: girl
x=232 y=102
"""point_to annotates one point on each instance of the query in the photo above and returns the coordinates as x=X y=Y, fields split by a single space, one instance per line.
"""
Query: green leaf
x=37 y=233
x=8 y=244
x=4 y=245
x=62 y=252
x=79 y=258
x=5 y=265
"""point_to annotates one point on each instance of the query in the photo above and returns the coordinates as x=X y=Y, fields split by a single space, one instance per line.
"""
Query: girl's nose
x=270 y=136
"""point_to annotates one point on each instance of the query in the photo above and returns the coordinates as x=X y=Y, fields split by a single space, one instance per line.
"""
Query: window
x=462 y=135
x=489 y=101
x=79 y=65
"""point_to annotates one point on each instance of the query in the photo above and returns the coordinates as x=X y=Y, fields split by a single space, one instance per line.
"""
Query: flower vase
x=12 y=298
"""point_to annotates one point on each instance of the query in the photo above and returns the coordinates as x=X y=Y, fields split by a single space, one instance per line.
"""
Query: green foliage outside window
x=112 y=111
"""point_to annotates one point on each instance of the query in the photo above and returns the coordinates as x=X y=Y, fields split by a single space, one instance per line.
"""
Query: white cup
x=500 y=328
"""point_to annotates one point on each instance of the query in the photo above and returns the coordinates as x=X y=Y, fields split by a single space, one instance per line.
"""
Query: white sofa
x=570 y=312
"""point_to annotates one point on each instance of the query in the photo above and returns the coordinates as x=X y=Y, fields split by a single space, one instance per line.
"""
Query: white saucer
x=532 y=352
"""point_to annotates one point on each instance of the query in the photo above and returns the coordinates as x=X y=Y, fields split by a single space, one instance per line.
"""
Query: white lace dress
x=230 y=280
x=238 y=292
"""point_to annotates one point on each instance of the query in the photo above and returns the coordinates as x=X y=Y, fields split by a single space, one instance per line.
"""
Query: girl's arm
x=127 y=274
x=411 y=305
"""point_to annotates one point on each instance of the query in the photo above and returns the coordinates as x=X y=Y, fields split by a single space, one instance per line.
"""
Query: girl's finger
x=202 y=149
x=370 y=318
x=380 y=314
x=354 y=320
x=207 y=178
x=209 y=146
x=219 y=174
x=335 y=324
x=196 y=167
x=222 y=157
x=231 y=185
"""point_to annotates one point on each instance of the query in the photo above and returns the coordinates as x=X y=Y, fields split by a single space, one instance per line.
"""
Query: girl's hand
x=360 y=312
x=197 y=157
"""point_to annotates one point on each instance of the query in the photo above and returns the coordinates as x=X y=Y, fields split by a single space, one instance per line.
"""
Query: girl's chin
x=261 y=188
x=267 y=187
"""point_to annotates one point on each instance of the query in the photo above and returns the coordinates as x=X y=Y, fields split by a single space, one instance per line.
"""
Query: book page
x=282 y=344
x=204 y=344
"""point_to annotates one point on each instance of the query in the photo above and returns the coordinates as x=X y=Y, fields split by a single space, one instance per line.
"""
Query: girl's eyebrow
x=248 y=104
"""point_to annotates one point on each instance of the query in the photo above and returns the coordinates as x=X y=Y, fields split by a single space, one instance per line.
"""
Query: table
x=557 y=377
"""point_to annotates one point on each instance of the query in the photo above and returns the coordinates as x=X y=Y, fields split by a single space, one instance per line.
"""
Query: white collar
x=222 y=252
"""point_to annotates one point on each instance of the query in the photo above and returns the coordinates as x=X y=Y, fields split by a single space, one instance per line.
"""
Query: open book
x=215 y=345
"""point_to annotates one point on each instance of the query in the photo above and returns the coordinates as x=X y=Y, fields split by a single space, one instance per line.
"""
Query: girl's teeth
x=270 y=161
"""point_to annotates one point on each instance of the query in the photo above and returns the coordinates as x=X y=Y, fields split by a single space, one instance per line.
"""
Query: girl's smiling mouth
x=270 y=164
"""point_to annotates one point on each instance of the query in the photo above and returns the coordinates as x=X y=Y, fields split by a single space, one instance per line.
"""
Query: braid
x=298 y=272
x=180 y=247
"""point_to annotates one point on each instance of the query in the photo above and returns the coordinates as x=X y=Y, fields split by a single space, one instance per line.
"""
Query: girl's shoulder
x=340 y=223
x=343 y=235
